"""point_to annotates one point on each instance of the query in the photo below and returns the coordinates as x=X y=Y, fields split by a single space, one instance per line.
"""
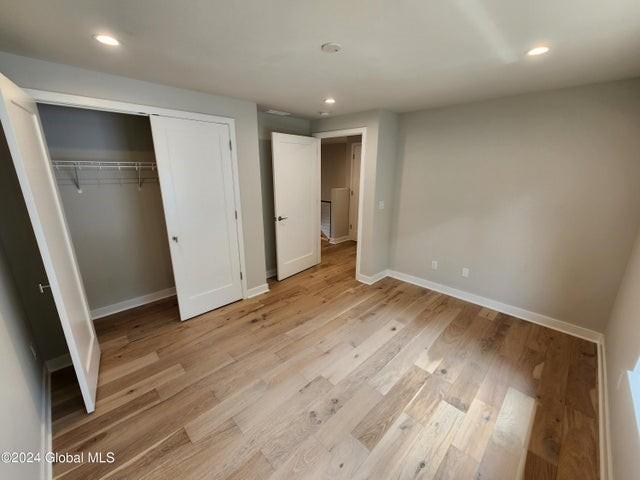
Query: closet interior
x=105 y=169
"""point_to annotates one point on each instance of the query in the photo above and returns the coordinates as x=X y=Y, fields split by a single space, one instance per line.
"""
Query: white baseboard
x=335 y=241
x=544 y=320
x=272 y=272
x=46 y=470
x=132 y=303
x=371 y=279
x=259 y=290
x=58 y=363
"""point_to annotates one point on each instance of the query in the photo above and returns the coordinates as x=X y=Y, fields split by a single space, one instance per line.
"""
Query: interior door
x=21 y=125
x=197 y=185
x=296 y=191
x=356 y=154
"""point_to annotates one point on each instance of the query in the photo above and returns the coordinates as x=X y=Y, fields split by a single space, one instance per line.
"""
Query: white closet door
x=23 y=131
x=197 y=185
x=296 y=190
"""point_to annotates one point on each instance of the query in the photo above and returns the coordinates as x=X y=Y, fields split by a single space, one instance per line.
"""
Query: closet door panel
x=196 y=180
x=23 y=131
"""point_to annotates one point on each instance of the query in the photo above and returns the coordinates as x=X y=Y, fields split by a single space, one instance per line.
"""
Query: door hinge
x=236 y=214
x=240 y=275
x=230 y=147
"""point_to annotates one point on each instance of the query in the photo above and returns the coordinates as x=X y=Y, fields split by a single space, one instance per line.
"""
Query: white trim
x=259 y=290
x=544 y=320
x=236 y=189
x=272 y=272
x=351 y=161
x=46 y=428
x=91 y=103
x=65 y=99
x=132 y=303
x=335 y=241
x=362 y=186
x=604 y=432
x=371 y=279
x=58 y=363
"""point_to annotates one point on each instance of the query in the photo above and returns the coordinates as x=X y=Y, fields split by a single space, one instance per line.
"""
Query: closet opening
x=108 y=206
x=106 y=172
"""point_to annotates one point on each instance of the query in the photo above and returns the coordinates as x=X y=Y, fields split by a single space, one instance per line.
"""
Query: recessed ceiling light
x=330 y=101
x=107 y=40
x=541 y=50
x=331 y=47
x=323 y=114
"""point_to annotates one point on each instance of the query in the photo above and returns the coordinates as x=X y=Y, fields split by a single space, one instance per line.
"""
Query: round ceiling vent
x=331 y=47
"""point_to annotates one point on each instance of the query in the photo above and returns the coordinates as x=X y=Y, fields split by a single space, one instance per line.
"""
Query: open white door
x=21 y=125
x=356 y=154
x=296 y=191
x=197 y=185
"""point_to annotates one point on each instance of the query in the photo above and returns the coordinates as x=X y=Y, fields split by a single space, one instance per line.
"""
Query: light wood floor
x=327 y=378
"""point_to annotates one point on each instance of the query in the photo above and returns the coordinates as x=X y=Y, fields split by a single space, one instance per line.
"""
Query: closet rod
x=79 y=165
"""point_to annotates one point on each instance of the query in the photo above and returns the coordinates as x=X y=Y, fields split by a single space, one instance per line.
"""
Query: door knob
x=42 y=287
x=281 y=218
x=175 y=239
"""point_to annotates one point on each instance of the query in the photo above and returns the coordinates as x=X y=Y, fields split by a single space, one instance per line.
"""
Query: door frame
x=351 y=159
x=78 y=101
x=347 y=133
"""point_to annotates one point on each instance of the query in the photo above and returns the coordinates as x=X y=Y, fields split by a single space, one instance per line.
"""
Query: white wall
x=537 y=194
x=38 y=74
x=622 y=340
x=268 y=124
x=118 y=231
x=21 y=379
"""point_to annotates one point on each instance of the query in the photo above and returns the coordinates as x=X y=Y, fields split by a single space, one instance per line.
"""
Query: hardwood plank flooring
x=327 y=378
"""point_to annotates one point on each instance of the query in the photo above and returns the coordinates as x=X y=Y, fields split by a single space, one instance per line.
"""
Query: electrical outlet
x=465 y=272
x=34 y=352
x=381 y=205
x=434 y=264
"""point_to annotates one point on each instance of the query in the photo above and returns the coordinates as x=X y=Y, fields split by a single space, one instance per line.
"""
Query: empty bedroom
x=320 y=240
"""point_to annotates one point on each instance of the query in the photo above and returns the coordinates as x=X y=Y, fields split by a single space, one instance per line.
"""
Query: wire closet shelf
x=77 y=165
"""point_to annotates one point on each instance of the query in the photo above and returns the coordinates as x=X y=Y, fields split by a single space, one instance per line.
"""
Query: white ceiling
x=400 y=55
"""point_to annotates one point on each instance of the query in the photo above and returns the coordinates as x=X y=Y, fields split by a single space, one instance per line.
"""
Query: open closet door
x=21 y=125
x=296 y=191
x=197 y=185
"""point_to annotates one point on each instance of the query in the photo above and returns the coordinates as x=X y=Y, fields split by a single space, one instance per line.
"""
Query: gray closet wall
x=118 y=229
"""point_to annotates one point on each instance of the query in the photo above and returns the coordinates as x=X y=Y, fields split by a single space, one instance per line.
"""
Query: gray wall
x=623 y=352
x=379 y=164
x=24 y=260
x=118 y=231
x=267 y=124
x=38 y=74
x=537 y=194
x=335 y=168
x=21 y=380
